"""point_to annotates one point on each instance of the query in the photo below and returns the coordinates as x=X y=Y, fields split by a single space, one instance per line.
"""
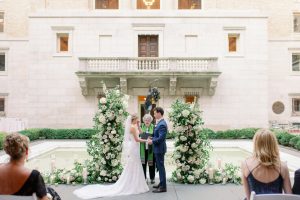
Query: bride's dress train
x=131 y=181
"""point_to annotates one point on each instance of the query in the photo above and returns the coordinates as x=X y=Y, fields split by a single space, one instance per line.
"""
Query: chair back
x=274 y=196
x=14 y=197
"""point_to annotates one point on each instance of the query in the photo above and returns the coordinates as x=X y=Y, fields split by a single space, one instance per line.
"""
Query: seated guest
x=15 y=179
x=264 y=173
x=296 y=186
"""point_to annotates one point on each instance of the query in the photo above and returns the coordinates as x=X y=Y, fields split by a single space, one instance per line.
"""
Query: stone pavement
x=175 y=192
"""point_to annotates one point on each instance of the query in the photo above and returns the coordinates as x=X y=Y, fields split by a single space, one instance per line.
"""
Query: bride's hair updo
x=133 y=117
x=15 y=145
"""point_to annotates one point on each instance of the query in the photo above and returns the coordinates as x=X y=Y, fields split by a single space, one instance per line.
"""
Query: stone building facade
x=238 y=60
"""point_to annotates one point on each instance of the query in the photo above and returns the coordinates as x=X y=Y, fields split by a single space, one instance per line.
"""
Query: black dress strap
x=34 y=184
x=255 y=168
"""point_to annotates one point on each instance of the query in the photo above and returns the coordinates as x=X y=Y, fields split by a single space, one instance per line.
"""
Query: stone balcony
x=125 y=68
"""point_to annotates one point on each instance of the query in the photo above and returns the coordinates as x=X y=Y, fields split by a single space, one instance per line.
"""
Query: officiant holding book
x=146 y=150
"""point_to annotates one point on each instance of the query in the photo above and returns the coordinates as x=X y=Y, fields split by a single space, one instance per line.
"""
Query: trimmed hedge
x=2 y=136
x=47 y=133
x=284 y=138
x=246 y=133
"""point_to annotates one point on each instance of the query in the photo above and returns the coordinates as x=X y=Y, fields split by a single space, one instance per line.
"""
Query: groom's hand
x=149 y=141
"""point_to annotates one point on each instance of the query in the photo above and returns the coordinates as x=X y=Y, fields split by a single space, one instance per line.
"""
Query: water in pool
x=64 y=158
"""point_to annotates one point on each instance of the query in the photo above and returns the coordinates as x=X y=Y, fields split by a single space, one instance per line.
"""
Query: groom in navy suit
x=160 y=148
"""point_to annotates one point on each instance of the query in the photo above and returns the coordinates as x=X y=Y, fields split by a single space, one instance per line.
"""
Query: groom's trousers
x=160 y=163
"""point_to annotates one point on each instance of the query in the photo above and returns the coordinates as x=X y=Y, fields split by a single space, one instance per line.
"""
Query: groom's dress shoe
x=156 y=186
x=160 y=190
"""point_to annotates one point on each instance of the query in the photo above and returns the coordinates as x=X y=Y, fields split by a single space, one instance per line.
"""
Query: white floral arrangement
x=104 y=147
x=192 y=149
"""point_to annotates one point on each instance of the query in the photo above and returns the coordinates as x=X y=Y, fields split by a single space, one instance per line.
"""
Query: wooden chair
x=274 y=196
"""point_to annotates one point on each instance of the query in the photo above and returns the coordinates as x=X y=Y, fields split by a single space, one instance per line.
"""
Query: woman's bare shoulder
x=132 y=129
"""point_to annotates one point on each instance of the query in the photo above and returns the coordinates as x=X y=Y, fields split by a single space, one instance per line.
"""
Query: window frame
x=2 y=100
x=296 y=14
x=295 y=113
x=240 y=46
x=137 y=8
x=4 y=97
x=94 y=6
x=186 y=97
x=291 y=66
x=61 y=30
x=59 y=37
x=237 y=40
x=5 y=52
x=1 y=11
x=178 y=7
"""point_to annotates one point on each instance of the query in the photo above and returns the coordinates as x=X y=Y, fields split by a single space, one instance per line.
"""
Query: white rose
x=202 y=181
x=194 y=146
x=114 y=178
x=178 y=129
x=191 y=178
x=185 y=113
x=103 y=100
x=218 y=179
x=183 y=138
x=102 y=119
x=103 y=173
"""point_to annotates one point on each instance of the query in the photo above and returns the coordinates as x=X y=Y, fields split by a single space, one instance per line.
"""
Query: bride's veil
x=126 y=141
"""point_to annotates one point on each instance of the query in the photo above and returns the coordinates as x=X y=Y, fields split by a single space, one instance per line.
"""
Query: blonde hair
x=16 y=145
x=133 y=117
x=266 y=149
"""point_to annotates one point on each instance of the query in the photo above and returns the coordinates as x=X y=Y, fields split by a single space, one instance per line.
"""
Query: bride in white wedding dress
x=132 y=180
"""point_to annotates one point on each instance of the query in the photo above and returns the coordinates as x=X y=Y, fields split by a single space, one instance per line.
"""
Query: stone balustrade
x=141 y=64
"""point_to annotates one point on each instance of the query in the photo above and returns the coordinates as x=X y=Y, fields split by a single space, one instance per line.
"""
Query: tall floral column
x=192 y=146
x=105 y=147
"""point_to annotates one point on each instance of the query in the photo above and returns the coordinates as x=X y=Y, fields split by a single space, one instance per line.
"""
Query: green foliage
x=171 y=135
x=246 y=133
x=285 y=139
x=32 y=134
x=63 y=176
x=47 y=133
x=232 y=174
x=293 y=141
x=106 y=145
x=297 y=146
x=2 y=137
x=192 y=146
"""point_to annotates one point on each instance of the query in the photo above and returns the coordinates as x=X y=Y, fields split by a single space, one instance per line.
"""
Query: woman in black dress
x=15 y=179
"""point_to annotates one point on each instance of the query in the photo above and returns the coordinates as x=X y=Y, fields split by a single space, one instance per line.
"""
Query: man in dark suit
x=160 y=148
x=296 y=186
